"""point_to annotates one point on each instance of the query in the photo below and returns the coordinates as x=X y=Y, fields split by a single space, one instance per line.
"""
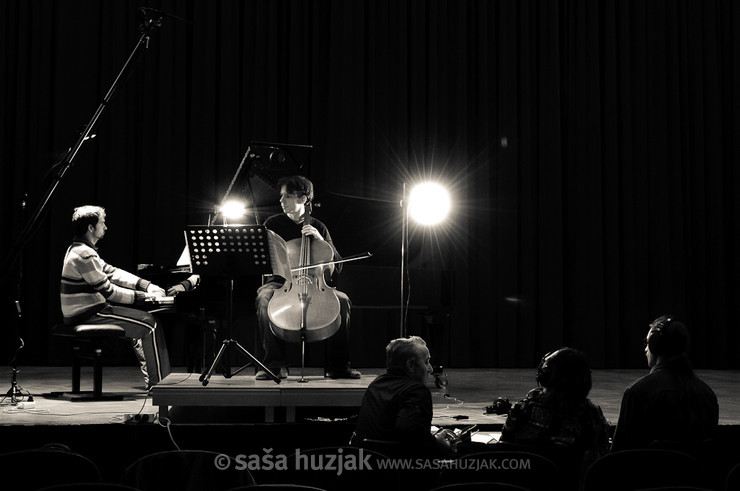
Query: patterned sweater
x=89 y=283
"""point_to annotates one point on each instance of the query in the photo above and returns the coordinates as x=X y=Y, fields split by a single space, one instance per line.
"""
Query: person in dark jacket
x=558 y=412
x=397 y=405
x=671 y=402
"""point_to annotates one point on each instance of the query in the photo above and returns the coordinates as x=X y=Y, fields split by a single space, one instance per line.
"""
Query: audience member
x=558 y=411
x=671 y=402
x=397 y=405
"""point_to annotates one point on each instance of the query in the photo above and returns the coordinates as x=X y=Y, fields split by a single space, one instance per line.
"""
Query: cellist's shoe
x=281 y=372
x=345 y=373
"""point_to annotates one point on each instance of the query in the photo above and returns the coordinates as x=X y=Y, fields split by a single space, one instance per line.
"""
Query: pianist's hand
x=155 y=291
x=190 y=283
x=174 y=290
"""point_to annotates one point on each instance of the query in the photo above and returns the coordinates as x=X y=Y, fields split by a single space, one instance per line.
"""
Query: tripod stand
x=15 y=392
x=231 y=252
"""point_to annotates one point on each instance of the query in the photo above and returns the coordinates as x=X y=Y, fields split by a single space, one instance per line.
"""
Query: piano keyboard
x=161 y=300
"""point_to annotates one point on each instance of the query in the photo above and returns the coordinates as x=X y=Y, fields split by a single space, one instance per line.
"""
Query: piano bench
x=87 y=344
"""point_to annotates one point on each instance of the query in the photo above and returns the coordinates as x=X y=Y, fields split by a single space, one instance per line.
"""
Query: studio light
x=429 y=203
x=233 y=209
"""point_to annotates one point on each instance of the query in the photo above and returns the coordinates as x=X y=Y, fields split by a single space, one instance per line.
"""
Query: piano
x=193 y=317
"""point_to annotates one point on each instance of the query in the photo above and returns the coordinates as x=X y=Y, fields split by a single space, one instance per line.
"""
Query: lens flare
x=429 y=203
x=234 y=209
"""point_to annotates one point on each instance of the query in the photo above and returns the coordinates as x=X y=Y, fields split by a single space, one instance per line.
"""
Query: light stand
x=428 y=204
x=404 y=260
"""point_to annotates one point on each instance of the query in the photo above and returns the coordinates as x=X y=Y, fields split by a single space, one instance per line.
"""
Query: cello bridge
x=304 y=279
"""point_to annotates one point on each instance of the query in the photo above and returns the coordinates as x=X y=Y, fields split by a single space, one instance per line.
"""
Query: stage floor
x=463 y=401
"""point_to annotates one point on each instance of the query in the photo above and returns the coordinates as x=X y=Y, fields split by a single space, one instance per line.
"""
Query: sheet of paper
x=486 y=437
x=278 y=255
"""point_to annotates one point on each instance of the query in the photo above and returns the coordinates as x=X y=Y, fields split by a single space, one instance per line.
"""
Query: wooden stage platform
x=310 y=390
x=183 y=398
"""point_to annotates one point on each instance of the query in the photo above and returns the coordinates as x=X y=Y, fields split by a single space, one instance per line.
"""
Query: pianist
x=94 y=292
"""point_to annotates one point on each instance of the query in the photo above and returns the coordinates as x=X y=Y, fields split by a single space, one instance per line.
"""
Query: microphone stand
x=149 y=20
x=15 y=393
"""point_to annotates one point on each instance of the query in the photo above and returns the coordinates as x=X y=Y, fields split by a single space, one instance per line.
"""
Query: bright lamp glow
x=429 y=203
x=233 y=209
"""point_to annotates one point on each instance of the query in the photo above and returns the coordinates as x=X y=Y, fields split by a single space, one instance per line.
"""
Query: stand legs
x=229 y=343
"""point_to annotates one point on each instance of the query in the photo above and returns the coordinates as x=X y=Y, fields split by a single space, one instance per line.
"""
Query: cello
x=305 y=309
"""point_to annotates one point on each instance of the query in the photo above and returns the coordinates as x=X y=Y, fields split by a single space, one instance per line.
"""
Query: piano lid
x=263 y=164
x=271 y=161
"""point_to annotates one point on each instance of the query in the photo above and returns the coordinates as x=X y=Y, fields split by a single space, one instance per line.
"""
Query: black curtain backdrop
x=590 y=148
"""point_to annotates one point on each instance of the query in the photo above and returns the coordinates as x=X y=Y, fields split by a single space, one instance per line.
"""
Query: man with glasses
x=296 y=195
x=671 y=402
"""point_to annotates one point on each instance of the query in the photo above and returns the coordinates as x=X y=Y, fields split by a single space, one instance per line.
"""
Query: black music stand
x=229 y=252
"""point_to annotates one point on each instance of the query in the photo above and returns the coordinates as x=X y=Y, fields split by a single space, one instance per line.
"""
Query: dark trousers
x=337 y=346
x=147 y=337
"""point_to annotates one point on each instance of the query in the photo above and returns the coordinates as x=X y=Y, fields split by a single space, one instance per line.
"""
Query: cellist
x=296 y=193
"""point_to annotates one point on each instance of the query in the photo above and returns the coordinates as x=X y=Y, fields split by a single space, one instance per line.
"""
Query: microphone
x=161 y=14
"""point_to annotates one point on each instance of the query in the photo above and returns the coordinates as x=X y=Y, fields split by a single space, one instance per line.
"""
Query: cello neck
x=305 y=239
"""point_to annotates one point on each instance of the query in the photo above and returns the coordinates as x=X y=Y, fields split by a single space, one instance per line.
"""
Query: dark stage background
x=591 y=148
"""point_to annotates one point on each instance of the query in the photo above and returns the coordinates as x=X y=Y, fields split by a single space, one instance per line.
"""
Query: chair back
x=336 y=468
x=525 y=469
x=733 y=479
x=570 y=461
x=276 y=487
x=676 y=488
x=717 y=455
x=643 y=468
x=480 y=486
x=89 y=486
x=38 y=468
x=390 y=448
x=186 y=470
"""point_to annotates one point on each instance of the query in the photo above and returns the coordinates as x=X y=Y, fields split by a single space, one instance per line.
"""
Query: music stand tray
x=231 y=252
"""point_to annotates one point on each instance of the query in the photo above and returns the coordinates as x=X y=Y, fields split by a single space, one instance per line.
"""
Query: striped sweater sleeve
x=88 y=283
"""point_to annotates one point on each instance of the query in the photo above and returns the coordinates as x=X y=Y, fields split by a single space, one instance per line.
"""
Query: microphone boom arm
x=148 y=25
